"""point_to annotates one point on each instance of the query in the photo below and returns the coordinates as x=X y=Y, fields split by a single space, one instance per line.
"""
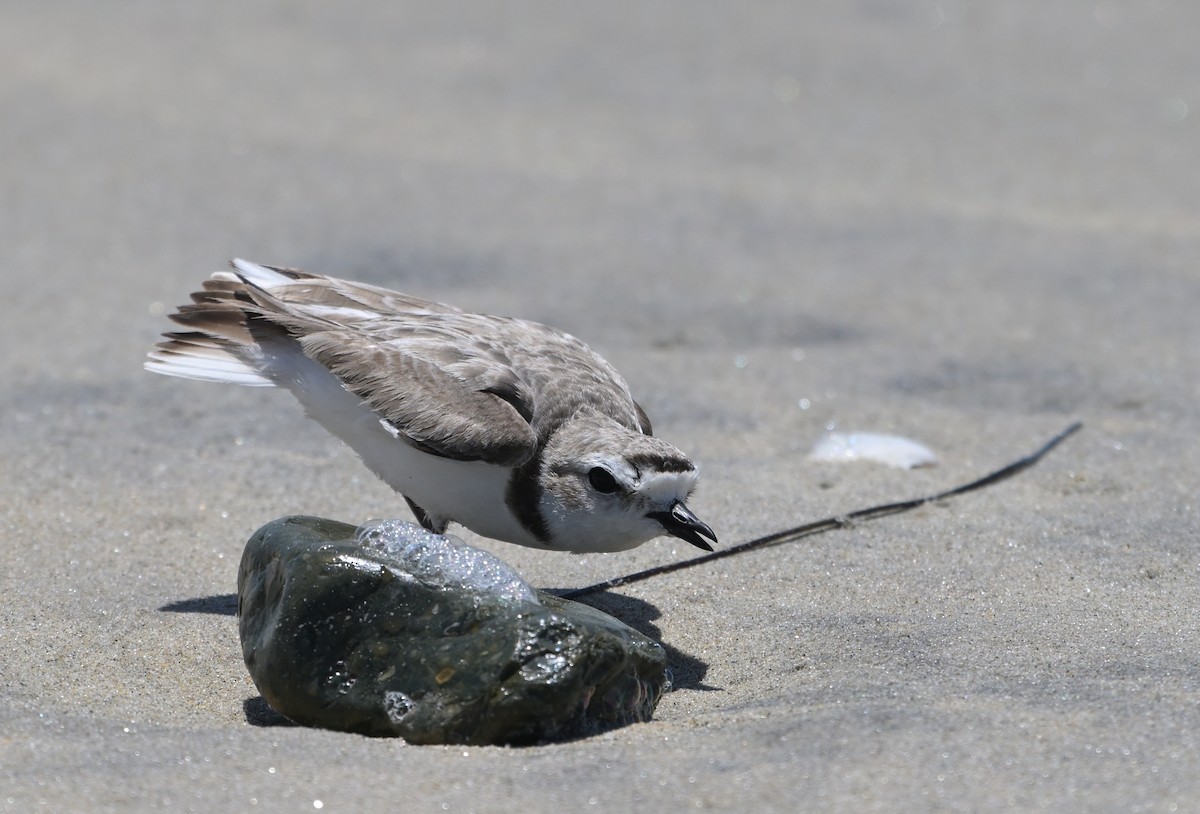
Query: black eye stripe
x=602 y=480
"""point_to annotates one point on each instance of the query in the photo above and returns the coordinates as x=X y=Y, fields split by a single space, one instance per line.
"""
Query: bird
x=513 y=429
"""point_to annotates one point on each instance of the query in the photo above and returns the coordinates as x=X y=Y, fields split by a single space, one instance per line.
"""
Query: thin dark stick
x=841 y=521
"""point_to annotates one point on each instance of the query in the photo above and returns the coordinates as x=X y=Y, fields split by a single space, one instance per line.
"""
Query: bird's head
x=605 y=487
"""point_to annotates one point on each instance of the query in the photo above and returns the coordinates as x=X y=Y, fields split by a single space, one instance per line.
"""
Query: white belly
x=471 y=493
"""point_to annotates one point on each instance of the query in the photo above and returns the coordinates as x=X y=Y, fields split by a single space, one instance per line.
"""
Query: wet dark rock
x=340 y=631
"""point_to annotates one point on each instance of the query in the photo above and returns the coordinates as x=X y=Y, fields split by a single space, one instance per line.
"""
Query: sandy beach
x=964 y=224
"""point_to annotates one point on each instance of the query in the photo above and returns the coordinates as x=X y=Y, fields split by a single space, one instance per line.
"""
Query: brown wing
x=464 y=386
x=436 y=410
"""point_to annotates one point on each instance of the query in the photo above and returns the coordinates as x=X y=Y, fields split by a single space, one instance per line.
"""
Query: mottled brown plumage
x=526 y=412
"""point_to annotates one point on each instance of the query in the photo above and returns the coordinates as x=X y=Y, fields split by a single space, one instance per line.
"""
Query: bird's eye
x=602 y=480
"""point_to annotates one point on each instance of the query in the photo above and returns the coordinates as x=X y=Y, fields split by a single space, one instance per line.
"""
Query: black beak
x=681 y=523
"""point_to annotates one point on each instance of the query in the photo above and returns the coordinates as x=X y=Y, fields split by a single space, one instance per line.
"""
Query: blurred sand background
x=965 y=223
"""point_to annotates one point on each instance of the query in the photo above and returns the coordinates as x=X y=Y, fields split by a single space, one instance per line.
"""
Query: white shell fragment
x=902 y=453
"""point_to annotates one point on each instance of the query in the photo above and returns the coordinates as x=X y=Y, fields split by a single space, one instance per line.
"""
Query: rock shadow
x=220 y=604
x=259 y=713
x=687 y=671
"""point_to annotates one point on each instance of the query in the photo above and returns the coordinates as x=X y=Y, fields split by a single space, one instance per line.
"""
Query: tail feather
x=219 y=345
x=203 y=358
x=266 y=277
x=241 y=317
x=217 y=288
x=228 y=323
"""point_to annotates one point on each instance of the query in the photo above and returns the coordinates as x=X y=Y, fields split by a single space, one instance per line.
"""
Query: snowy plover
x=516 y=430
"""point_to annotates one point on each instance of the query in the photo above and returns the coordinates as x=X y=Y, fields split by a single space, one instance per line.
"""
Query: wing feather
x=464 y=386
x=437 y=411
